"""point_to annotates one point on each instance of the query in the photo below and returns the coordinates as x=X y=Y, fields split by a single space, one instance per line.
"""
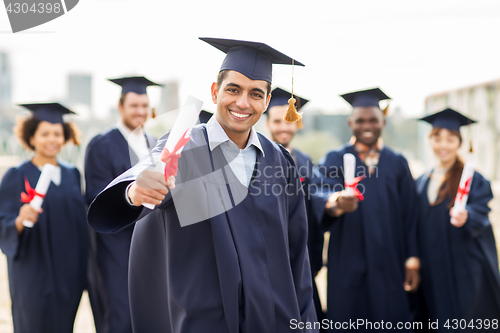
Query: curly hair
x=26 y=127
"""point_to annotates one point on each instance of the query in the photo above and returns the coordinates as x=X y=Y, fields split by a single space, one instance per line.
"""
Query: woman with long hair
x=47 y=263
x=460 y=286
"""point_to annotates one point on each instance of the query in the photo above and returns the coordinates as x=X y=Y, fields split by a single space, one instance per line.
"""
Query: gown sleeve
x=98 y=169
x=327 y=182
x=10 y=203
x=110 y=212
x=477 y=206
x=409 y=202
x=297 y=235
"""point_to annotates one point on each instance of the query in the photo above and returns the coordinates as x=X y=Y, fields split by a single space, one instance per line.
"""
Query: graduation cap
x=449 y=119
x=281 y=96
x=135 y=84
x=252 y=59
x=369 y=97
x=51 y=112
x=205 y=116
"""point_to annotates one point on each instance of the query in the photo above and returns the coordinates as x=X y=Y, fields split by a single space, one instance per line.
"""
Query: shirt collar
x=217 y=136
x=361 y=146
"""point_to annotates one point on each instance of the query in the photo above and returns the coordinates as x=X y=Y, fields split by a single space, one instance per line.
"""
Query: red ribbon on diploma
x=354 y=186
x=170 y=158
x=464 y=190
x=26 y=198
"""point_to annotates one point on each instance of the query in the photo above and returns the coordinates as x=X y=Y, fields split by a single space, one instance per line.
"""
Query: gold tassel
x=385 y=111
x=153 y=113
x=292 y=115
x=471 y=150
x=300 y=124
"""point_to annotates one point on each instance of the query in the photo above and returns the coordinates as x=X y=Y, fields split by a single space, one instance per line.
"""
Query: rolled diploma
x=186 y=120
x=42 y=185
x=467 y=173
x=349 y=169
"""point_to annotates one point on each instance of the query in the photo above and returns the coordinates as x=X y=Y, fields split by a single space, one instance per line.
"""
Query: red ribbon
x=170 y=158
x=302 y=179
x=354 y=186
x=464 y=190
x=32 y=193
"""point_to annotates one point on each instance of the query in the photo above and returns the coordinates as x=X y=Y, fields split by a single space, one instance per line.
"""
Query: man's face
x=366 y=124
x=281 y=131
x=240 y=102
x=134 y=110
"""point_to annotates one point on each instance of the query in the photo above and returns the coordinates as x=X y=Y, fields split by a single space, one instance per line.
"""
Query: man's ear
x=214 y=91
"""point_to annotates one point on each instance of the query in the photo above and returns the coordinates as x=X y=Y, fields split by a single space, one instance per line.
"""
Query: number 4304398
x=462 y=324
x=40 y=7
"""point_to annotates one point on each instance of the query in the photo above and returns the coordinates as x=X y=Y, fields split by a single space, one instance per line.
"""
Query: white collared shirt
x=136 y=139
x=241 y=161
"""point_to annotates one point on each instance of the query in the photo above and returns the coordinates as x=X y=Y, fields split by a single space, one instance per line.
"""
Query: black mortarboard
x=449 y=119
x=280 y=97
x=205 y=116
x=369 y=97
x=51 y=112
x=135 y=84
x=252 y=59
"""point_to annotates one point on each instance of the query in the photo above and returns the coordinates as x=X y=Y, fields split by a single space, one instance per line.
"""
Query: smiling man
x=242 y=264
x=372 y=261
x=107 y=156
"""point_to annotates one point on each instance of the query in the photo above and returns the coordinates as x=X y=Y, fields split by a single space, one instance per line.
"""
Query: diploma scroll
x=179 y=136
x=41 y=189
x=464 y=187
x=349 y=170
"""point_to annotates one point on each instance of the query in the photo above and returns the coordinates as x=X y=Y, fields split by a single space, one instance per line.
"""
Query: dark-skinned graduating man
x=372 y=254
x=108 y=155
x=283 y=133
x=221 y=251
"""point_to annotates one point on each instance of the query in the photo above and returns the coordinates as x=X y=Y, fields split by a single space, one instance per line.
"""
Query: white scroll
x=41 y=188
x=349 y=171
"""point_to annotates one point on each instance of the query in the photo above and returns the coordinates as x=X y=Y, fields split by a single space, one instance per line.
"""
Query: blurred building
x=480 y=102
x=169 y=97
x=80 y=89
x=5 y=80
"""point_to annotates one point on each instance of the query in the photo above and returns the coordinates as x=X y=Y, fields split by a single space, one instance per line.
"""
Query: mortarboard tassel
x=471 y=150
x=153 y=113
x=385 y=111
x=292 y=115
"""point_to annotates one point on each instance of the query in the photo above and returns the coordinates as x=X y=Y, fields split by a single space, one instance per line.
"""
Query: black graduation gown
x=305 y=168
x=243 y=270
x=459 y=266
x=368 y=247
x=108 y=156
x=47 y=264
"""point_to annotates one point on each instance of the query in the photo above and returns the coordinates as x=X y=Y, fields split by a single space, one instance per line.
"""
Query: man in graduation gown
x=225 y=250
x=283 y=132
x=372 y=254
x=108 y=155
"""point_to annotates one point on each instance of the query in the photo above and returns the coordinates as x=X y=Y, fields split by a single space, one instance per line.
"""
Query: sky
x=409 y=49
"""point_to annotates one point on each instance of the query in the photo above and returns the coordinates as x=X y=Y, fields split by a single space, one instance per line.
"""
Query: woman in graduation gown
x=46 y=263
x=459 y=264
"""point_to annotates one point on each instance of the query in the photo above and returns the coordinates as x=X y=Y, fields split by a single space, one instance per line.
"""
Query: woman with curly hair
x=460 y=286
x=47 y=263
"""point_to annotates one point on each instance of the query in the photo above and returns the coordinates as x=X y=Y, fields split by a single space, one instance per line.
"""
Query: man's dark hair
x=223 y=74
